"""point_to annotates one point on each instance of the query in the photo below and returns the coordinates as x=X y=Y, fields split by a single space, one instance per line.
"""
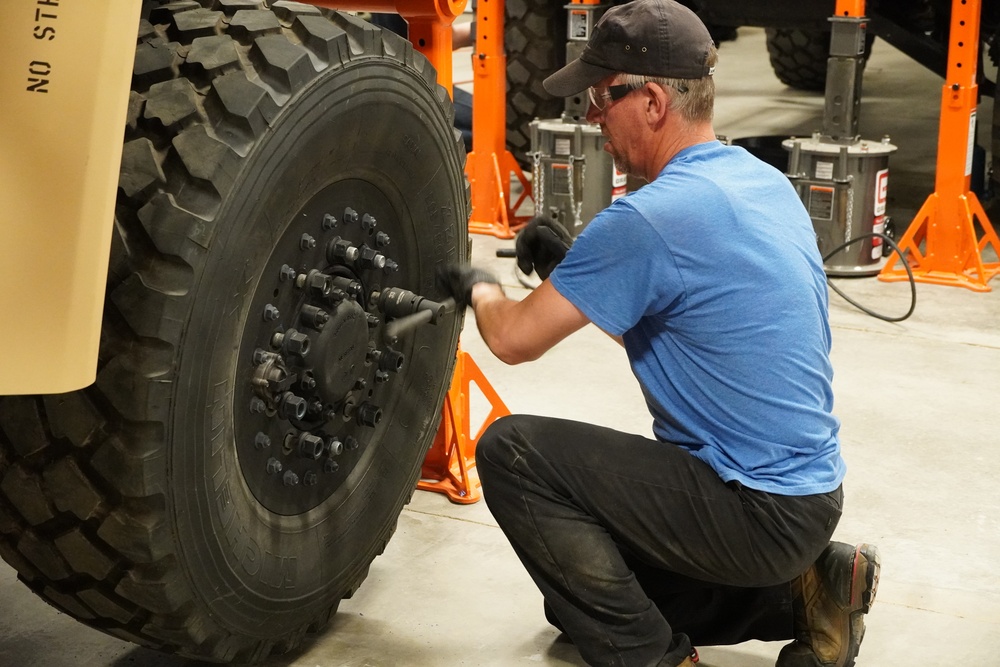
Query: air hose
x=906 y=265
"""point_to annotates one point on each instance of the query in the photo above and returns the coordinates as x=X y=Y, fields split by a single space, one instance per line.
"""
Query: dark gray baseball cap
x=647 y=37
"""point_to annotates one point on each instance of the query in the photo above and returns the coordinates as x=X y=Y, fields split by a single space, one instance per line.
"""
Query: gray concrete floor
x=921 y=436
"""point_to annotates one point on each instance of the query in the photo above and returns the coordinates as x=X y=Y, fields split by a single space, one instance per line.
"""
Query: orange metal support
x=850 y=8
x=945 y=224
x=490 y=164
x=449 y=466
x=429 y=26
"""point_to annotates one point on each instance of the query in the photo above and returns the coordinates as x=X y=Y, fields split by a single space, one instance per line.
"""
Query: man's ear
x=657 y=103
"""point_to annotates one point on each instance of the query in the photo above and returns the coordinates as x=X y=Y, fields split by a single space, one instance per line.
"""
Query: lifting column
x=945 y=223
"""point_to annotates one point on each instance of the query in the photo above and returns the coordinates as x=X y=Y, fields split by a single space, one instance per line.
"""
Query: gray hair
x=694 y=99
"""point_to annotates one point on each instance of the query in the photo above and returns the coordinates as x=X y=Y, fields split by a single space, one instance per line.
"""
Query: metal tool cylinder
x=843 y=186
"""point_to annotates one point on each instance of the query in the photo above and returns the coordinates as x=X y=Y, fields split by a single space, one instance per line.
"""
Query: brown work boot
x=830 y=601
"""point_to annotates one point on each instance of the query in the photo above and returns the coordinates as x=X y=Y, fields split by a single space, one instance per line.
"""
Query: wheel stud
x=381 y=376
x=390 y=266
x=329 y=222
x=381 y=239
x=373 y=321
x=336 y=447
x=307 y=242
x=273 y=466
x=271 y=313
x=286 y=273
x=311 y=446
x=310 y=478
x=292 y=406
x=361 y=384
x=290 y=478
x=351 y=443
x=350 y=215
x=257 y=406
x=330 y=466
x=262 y=441
x=368 y=223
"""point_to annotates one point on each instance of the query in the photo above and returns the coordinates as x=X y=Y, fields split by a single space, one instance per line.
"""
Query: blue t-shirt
x=712 y=276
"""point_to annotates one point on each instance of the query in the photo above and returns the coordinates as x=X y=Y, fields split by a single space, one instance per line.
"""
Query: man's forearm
x=495 y=315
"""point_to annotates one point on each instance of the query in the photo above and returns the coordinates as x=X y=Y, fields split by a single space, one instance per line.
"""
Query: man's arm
x=519 y=331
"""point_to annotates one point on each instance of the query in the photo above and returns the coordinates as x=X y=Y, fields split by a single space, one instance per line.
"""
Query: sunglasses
x=612 y=94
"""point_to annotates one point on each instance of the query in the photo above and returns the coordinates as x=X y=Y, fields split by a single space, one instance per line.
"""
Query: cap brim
x=575 y=77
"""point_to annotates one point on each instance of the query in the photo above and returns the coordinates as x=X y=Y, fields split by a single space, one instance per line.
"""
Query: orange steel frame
x=490 y=164
x=945 y=224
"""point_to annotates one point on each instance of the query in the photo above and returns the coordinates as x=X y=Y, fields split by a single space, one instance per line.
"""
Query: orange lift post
x=945 y=224
x=490 y=164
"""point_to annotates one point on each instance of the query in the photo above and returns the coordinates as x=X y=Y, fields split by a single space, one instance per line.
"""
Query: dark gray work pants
x=640 y=549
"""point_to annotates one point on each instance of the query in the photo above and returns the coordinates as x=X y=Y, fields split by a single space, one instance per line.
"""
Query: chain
x=538 y=181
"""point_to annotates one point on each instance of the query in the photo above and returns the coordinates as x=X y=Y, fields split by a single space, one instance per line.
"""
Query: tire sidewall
x=283 y=564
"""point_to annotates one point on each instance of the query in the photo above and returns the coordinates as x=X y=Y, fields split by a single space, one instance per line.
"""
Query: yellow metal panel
x=65 y=67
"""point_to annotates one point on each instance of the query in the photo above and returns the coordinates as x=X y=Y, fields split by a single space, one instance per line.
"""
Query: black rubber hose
x=906 y=265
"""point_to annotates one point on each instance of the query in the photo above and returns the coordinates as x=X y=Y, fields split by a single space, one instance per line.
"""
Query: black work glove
x=457 y=281
x=541 y=245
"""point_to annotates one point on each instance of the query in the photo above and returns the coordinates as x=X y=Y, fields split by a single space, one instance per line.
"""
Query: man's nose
x=593 y=113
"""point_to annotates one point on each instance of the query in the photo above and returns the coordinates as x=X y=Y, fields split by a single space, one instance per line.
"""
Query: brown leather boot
x=830 y=601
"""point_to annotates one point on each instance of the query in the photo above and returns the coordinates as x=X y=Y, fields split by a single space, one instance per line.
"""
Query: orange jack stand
x=450 y=465
x=945 y=224
x=490 y=164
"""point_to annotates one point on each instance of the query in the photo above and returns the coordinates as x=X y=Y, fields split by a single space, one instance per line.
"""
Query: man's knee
x=496 y=445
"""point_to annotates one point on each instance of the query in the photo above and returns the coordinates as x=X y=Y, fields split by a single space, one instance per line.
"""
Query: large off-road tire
x=798 y=57
x=252 y=436
x=535 y=44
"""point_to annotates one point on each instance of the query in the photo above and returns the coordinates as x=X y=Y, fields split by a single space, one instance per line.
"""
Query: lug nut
x=351 y=443
x=350 y=215
x=381 y=239
x=290 y=478
x=257 y=406
x=336 y=447
x=330 y=466
x=262 y=441
x=369 y=415
x=351 y=287
x=368 y=223
x=341 y=250
x=329 y=222
x=388 y=359
x=307 y=382
x=286 y=273
x=381 y=376
x=310 y=478
x=390 y=266
x=315 y=318
x=361 y=384
x=292 y=406
x=307 y=242
x=311 y=446
x=369 y=258
x=271 y=313
x=273 y=466
x=373 y=321
x=318 y=283
x=295 y=342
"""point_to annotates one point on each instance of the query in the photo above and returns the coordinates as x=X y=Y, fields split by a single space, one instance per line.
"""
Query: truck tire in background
x=251 y=437
x=798 y=57
x=535 y=44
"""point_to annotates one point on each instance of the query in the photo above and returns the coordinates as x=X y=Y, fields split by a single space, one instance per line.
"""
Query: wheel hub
x=317 y=367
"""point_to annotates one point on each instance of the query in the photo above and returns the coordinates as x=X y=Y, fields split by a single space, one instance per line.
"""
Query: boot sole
x=866 y=567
